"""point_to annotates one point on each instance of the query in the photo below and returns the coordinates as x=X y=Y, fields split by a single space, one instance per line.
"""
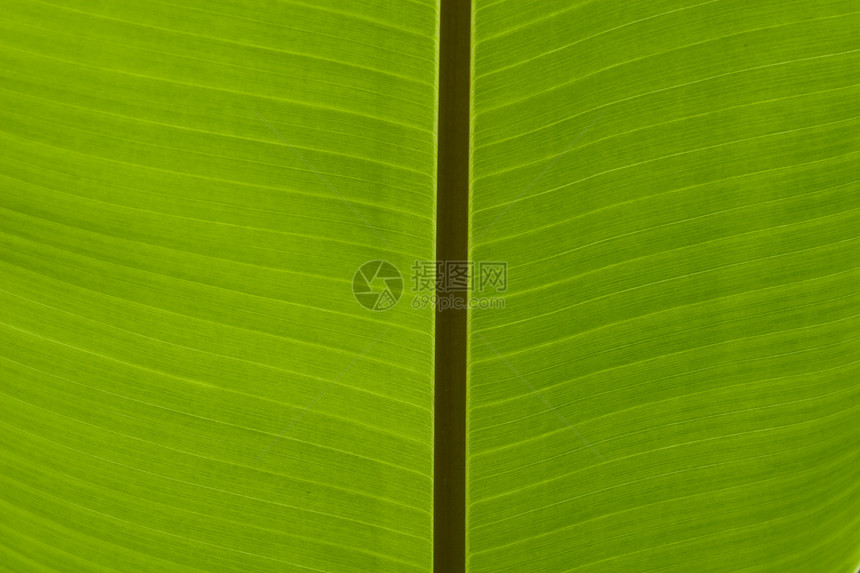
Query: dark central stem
x=452 y=221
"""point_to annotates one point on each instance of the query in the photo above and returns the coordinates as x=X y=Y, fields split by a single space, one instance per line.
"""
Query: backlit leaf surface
x=673 y=384
x=188 y=383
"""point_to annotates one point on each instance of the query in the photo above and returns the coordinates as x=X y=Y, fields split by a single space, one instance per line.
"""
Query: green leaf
x=672 y=384
x=189 y=188
x=208 y=358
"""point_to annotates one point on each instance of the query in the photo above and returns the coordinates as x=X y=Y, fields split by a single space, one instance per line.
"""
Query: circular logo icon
x=377 y=285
